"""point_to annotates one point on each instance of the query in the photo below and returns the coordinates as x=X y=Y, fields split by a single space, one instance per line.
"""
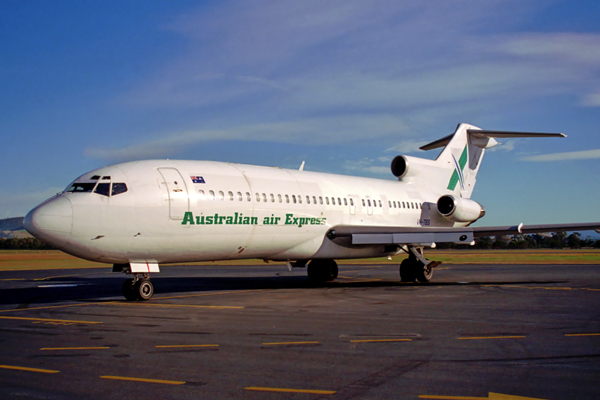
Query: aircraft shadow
x=85 y=289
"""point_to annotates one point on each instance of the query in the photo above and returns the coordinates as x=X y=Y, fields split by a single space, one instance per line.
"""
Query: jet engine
x=459 y=209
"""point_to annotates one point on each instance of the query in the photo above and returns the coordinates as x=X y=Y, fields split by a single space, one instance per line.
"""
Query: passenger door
x=177 y=193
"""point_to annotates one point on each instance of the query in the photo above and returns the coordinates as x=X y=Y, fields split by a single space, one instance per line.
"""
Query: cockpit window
x=81 y=187
x=103 y=189
x=118 y=188
x=95 y=177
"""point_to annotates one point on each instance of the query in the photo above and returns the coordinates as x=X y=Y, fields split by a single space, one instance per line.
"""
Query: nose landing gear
x=138 y=288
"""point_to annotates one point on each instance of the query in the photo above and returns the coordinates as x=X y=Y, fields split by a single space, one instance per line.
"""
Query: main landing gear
x=320 y=271
x=416 y=267
x=138 y=288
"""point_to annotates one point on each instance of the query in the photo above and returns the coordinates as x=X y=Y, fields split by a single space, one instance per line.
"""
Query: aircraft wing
x=371 y=235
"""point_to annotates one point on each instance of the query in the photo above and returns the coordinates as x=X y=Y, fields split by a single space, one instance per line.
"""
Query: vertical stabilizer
x=463 y=152
x=462 y=155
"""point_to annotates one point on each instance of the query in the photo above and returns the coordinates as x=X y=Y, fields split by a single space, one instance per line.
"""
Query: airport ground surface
x=261 y=332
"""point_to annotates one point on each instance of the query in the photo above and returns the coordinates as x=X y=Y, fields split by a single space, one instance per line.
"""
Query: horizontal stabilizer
x=491 y=134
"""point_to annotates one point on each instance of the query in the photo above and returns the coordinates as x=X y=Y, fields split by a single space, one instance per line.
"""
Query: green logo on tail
x=458 y=171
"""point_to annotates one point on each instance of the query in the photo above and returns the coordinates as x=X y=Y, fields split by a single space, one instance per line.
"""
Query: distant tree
x=485 y=243
x=501 y=242
x=574 y=240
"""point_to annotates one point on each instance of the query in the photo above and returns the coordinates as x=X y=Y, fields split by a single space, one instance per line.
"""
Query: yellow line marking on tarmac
x=176 y=305
x=75 y=348
x=209 y=294
x=490 y=337
x=491 y=396
x=284 y=343
x=185 y=345
x=46 y=307
x=426 y=396
x=13 y=279
x=52 y=320
x=283 y=390
x=582 y=334
x=44 y=371
x=380 y=340
x=125 y=378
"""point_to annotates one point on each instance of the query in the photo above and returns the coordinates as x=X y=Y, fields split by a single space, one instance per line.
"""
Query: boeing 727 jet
x=137 y=215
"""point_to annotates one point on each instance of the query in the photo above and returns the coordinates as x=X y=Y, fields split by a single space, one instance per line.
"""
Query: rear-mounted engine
x=459 y=209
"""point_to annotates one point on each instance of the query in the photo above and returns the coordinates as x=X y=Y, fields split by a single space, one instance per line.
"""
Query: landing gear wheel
x=407 y=271
x=145 y=289
x=320 y=271
x=128 y=289
x=424 y=273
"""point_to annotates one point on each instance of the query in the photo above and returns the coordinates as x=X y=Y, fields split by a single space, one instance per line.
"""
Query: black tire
x=424 y=273
x=128 y=289
x=330 y=270
x=145 y=289
x=320 y=271
x=407 y=271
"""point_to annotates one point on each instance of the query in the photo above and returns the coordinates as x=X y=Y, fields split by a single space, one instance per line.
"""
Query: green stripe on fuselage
x=461 y=163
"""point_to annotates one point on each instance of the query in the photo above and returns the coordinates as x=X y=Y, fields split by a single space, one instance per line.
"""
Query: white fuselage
x=183 y=211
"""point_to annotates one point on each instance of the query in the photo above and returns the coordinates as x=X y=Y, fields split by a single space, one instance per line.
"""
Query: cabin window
x=230 y=194
x=287 y=198
x=327 y=200
x=221 y=195
x=202 y=194
x=279 y=198
x=351 y=202
x=103 y=189
x=339 y=201
x=300 y=199
x=307 y=199
x=272 y=197
x=294 y=198
x=363 y=202
x=118 y=188
x=211 y=194
x=314 y=199
x=320 y=199
x=380 y=204
x=82 y=187
x=345 y=201
x=258 y=197
x=333 y=201
x=240 y=197
x=248 y=196
x=389 y=203
x=264 y=197
x=369 y=202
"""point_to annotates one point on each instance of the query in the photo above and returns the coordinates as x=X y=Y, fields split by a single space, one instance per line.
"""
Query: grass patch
x=23 y=260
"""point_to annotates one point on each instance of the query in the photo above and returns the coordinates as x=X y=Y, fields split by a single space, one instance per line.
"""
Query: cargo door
x=177 y=193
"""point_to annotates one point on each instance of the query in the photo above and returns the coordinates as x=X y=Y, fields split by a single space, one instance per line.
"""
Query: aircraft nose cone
x=51 y=221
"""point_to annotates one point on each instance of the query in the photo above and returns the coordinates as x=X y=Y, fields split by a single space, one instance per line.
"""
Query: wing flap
x=376 y=235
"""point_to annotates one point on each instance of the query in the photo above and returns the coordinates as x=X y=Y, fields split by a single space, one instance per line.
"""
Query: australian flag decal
x=197 y=179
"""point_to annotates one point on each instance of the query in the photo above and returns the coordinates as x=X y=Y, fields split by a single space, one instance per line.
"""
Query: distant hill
x=13 y=228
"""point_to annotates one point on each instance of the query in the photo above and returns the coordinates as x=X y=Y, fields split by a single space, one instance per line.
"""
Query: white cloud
x=508 y=145
x=315 y=131
x=367 y=165
x=408 y=146
x=18 y=204
x=574 y=155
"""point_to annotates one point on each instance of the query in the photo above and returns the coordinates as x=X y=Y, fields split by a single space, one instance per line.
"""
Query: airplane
x=137 y=215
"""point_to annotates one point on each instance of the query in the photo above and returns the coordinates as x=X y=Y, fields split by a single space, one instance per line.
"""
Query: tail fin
x=464 y=150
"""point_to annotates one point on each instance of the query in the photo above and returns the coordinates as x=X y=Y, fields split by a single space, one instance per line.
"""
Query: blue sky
x=345 y=85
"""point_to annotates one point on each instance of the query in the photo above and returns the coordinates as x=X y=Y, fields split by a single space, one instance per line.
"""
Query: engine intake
x=399 y=166
x=459 y=209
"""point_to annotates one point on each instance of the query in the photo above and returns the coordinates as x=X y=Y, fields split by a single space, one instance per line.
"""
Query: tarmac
x=262 y=332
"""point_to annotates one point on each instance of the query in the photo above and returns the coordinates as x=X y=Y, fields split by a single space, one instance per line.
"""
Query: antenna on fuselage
x=302 y=166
